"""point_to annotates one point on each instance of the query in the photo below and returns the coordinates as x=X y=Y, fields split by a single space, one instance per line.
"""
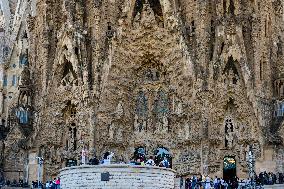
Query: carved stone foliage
x=188 y=162
x=190 y=76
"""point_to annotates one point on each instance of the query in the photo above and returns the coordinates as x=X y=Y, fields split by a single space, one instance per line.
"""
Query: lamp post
x=40 y=162
x=251 y=166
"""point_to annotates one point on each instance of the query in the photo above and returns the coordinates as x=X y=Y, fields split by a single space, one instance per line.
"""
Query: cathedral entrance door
x=229 y=170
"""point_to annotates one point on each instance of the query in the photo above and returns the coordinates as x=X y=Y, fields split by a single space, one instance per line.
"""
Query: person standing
x=47 y=185
x=57 y=182
x=215 y=182
x=54 y=183
x=207 y=180
x=150 y=161
x=84 y=155
x=166 y=163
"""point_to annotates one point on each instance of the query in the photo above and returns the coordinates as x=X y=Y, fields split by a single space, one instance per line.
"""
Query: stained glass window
x=161 y=104
x=142 y=104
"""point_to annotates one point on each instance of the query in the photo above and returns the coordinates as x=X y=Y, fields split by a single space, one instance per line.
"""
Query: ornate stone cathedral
x=200 y=82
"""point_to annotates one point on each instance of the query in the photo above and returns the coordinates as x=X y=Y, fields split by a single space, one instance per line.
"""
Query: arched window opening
x=139 y=153
x=155 y=5
x=69 y=76
x=77 y=51
x=222 y=48
x=232 y=7
x=71 y=142
x=138 y=7
x=231 y=70
x=162 y=154
x=23 y=60
x=70 y=110
x=142 y=105
x=152 y=74
x=161 y=104
x=225 y=6
x=192 y=27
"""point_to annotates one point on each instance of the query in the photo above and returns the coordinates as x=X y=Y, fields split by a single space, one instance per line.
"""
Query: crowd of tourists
x=269 y=178
x=198 y=182
x=55 y=184
x=135 y=161
x=264 y=178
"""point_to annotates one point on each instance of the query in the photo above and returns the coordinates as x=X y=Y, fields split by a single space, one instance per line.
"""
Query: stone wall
x=120 y=177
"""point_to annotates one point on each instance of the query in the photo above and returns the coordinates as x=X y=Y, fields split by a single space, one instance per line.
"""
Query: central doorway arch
x=229 y=168
x=160 y=154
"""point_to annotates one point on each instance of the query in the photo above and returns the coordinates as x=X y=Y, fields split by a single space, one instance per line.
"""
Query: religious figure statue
x=187 y=130
x=148 y=17
x=119 y=135
x=179 y=109
x=229 y=138
x=111 y=131
x=165 y=123
x=144 y=124
x=136 y=21
x=119 y=110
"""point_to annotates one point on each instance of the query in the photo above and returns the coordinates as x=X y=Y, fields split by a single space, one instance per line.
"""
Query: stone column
x=1 y=102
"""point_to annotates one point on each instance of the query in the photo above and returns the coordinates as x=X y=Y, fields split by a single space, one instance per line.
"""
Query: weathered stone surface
x=203 y=79
x=120 y=177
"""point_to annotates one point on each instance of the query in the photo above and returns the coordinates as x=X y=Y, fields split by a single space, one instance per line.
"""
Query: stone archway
x=160 y=154
x=229 y=168
x=140 y=153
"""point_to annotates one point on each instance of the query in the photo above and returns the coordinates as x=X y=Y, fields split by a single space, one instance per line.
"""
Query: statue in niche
x=119 y=136
x=119 y=110
x=144 y=124
x=69 y=80
x=148 y=18
x=229 y=138
x=111 y=131
x=72 y=138
x=69 y=77
x=152 y=74
x=187 y=130
x=139 y=124
x=164 y=123
x=180 y=130
x=58 y=155
x=179 y=109
x=136 y=21
x=229 y=133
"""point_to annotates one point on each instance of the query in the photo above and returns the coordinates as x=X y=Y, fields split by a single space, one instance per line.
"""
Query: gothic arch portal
x=65 y=69
x=155 y=5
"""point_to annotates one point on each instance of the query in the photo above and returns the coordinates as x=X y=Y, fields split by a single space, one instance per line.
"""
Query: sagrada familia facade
x=201 y=79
